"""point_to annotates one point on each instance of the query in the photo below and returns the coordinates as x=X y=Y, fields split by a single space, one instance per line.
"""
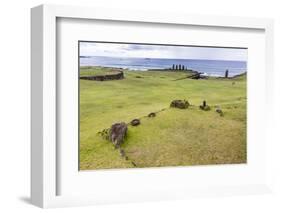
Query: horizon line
x=161 y=58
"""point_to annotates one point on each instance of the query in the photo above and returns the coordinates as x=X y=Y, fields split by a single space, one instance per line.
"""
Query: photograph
x=161 y=105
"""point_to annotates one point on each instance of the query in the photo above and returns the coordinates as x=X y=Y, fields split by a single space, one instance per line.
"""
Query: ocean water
x=209 y=67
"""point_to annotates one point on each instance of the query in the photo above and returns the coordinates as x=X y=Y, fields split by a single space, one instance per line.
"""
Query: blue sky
x=161 y=51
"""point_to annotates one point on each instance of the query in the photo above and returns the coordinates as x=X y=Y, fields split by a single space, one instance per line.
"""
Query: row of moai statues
x=182 y=67
x=178 y=67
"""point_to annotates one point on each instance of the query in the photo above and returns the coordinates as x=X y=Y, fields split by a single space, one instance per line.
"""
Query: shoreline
x=188 y=71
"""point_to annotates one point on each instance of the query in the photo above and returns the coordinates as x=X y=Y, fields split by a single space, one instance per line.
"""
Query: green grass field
x=175 y=137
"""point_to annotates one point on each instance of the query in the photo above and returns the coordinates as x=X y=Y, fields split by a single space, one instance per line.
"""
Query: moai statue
x=176 y=67
x=226 y=74
x=204 y=106
x=180 y=67
x=173 y=66
x=204 y=103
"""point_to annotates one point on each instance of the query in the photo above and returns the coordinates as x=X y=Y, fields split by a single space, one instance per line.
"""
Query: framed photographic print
x=130 y=106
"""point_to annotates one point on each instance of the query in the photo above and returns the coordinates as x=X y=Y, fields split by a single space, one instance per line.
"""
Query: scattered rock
x=218 y=110
x=117 y=133
x=135 y=122
x=104 y=133
x=204 y=106
x=152 y=114
x=138 y=76
x=122 y=154
x=181 y=104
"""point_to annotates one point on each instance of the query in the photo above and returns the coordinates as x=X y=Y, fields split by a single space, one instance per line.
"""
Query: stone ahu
x=108 y=77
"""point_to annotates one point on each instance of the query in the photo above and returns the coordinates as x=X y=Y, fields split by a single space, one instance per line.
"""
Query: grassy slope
x=174 y=136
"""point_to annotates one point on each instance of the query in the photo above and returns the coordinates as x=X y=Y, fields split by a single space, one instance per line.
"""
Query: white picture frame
x=44 y=149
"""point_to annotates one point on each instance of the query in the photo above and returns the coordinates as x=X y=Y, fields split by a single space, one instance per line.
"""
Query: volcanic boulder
x=117 y=133
x=218 y=110
x=135 y=122
x=152 y=114
x=181 y=104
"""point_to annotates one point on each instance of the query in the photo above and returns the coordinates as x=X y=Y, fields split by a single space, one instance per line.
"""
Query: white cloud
x=161 y=51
